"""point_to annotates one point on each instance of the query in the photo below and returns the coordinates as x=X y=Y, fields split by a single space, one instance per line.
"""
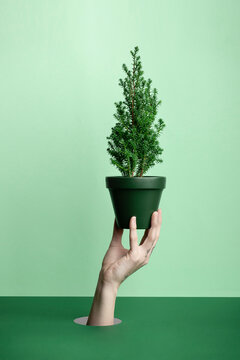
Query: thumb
x=133 y=233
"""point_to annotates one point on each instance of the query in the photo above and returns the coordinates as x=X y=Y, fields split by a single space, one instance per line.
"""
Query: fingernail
x=134 y=220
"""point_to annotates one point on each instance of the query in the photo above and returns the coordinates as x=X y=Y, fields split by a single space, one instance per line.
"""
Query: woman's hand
x=118 y=264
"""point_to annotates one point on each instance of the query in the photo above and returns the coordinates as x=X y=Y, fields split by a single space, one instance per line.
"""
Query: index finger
x=154 y=231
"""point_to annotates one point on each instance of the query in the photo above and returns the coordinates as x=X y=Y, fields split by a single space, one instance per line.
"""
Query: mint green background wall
x=60 y=64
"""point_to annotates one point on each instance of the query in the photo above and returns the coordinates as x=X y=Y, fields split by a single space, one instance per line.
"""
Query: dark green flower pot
x=135 y=196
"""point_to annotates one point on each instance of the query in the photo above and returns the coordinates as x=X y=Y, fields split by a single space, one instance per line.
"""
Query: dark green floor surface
x=37 y=328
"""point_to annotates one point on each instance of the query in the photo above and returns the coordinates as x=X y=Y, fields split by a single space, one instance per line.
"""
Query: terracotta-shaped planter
x=135 y=196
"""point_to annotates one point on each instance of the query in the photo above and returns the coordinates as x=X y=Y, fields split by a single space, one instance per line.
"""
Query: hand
x=118 y=264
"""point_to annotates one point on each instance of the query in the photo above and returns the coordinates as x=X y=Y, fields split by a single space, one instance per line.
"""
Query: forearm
x=102 y=310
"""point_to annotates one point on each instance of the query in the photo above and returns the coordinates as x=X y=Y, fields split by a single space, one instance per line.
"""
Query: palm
x=114 y=254
x=119 y=263
x=114 y=260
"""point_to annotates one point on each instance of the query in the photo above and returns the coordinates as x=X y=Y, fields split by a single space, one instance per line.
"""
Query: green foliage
x=133 y=144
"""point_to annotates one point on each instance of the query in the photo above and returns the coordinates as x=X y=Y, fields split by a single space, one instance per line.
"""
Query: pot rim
x=144 y=182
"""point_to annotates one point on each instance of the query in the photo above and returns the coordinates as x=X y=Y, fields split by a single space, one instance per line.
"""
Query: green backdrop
x=59 y=68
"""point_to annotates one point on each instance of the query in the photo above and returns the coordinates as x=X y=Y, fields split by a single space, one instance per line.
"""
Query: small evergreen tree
x=133 y=144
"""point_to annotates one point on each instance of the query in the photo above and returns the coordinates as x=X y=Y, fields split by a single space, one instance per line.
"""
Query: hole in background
x=83 y=321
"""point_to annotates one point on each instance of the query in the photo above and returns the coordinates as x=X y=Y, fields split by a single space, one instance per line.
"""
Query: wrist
x=106 y=287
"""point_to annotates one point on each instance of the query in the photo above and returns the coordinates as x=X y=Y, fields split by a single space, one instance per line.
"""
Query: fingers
x=133 y=233
x=117 y=233
x=153 y=234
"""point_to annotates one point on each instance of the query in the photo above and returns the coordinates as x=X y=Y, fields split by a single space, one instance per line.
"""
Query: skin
x=119 y=263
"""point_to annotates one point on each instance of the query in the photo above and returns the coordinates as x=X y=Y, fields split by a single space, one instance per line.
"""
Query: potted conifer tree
x=133 y=146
